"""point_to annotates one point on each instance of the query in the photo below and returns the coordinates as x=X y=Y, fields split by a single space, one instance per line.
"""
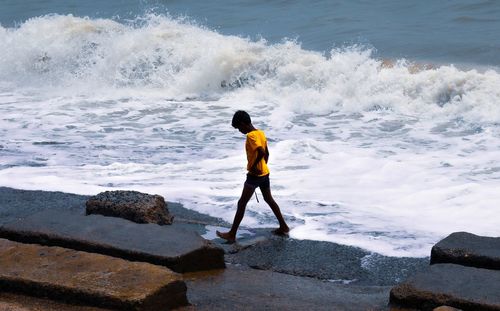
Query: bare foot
x=281 y=231
x=226 y=236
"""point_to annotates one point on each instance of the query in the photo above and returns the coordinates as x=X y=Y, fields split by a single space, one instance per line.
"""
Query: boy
x=258 y=175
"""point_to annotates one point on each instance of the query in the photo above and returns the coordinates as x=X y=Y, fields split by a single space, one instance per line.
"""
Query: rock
x=172 y=246
x=132 y=205
x=323 y=260
x=452 y=285
x=18 y=302
x=15 y=203
x=412 y=68
x=4 y=306
x=445 y=308
x=89 y=279
x=243 y=288
x=469 y=250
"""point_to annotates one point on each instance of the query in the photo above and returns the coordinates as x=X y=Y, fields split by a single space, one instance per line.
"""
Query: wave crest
x=184 y=60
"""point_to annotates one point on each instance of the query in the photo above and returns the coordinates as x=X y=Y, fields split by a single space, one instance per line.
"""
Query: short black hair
x=240 y=116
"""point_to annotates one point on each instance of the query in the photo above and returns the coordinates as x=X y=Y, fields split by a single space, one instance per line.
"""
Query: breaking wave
x=178 y=59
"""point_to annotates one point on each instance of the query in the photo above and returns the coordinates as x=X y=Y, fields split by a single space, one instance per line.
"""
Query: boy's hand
x=255 y=171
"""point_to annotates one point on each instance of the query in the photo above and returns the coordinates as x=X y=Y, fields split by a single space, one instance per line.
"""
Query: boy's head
x=241 y=118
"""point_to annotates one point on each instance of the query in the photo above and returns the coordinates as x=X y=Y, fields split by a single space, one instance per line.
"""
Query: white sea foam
x=388 y=157
x=180 y=60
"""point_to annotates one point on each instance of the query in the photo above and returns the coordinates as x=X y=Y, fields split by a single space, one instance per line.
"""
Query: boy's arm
x=261 y=154
x=266 y=156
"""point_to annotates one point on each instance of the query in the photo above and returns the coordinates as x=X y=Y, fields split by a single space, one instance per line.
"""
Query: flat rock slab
x=243 y=288
x=323 y=260
x=18 y=302
x=85 y=278
x=466 y=288
x=469 y=250
x=172 y=246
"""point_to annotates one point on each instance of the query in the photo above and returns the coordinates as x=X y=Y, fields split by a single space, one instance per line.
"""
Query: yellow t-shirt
x=256 y=139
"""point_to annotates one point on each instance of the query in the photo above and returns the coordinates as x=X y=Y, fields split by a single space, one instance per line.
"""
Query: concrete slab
x=243 y=288
x=323 y=260
x=172 y=246
x=468 y=249
x=16 y=302
x=89 y=279
x=15 y=203
x=457 y=286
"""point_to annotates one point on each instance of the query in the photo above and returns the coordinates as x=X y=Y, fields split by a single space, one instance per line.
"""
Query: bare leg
x=230 y=236
x=283 y=229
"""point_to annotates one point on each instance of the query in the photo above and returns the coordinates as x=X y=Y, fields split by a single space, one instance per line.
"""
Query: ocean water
x=383 y=118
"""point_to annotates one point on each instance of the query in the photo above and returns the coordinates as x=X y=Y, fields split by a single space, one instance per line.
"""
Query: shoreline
x=320 y=266
x=256 y=247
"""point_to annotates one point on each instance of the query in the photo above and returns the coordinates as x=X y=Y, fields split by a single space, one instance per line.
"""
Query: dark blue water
x=459 y=32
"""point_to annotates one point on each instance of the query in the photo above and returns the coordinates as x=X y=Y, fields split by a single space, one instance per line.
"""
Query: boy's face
x=242 y=128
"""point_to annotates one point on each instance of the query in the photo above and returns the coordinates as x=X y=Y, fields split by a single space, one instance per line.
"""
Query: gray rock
x=16 y=203
x=235 y=288
x=132 y=205
x=172 y=246
x=323 y=260
x=243 y=288
x=468 y=250
x=456 y=286
x=446 y=308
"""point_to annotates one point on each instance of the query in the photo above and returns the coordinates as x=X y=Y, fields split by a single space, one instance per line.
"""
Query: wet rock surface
x=266 y=272
x=16 y=203
x=461 y=287
x=322 y=260
x=86 y=278
x=177 y=248
x=464 y=274
x=241 y=288
x=312 y=275
x=132 y=205
x=446 y=308
x=16 y=302
x=469 y=250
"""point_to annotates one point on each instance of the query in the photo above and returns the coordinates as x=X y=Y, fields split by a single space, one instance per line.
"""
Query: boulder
x=132 y=205
x=468 y=249
x=89 y=279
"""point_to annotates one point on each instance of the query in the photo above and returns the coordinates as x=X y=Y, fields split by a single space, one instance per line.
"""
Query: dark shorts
x=258 y=181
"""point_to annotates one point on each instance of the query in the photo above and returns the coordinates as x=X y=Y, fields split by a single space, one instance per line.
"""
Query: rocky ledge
x=263 y=271
x=86 y=278
x=468 y=249
x=175 y=247
x=464 y=274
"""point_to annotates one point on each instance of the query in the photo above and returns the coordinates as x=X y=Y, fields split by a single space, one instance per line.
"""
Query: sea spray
x=182 y=60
